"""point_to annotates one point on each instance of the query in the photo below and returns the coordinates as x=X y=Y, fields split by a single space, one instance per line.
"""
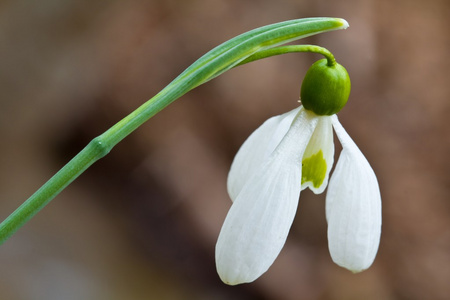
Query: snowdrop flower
x=287 y=154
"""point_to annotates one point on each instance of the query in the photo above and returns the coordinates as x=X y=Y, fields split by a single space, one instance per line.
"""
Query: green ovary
x=314 y=169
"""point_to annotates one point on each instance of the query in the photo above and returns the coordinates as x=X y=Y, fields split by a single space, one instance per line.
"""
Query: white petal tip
x=353 y=266
x=357 y=271
x=231 y=283
x=236 y=275
x=234 y=281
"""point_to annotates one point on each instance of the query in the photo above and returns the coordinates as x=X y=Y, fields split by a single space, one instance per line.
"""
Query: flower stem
x=291 y=49
x=209 y=66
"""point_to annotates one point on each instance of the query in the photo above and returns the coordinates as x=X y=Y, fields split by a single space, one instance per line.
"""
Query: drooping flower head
x=285 y=155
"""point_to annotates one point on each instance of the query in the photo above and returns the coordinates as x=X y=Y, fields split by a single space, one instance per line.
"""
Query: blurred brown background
x=142 y=222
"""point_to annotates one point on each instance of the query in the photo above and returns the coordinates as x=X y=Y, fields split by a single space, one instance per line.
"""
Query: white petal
x=259 y=220
x=319 y=156
x=258 y=146
x=353 y=208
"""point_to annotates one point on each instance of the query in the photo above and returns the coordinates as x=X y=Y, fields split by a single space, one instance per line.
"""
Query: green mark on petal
x=314 y=169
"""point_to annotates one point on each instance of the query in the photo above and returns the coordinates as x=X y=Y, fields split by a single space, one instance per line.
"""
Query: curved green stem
x=290 y=49
x=209 y=66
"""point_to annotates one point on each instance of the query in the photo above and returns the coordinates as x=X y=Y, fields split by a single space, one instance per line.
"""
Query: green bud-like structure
x=326 y=88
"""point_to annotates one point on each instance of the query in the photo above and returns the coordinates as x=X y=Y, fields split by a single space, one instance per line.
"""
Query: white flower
x=287 y=154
